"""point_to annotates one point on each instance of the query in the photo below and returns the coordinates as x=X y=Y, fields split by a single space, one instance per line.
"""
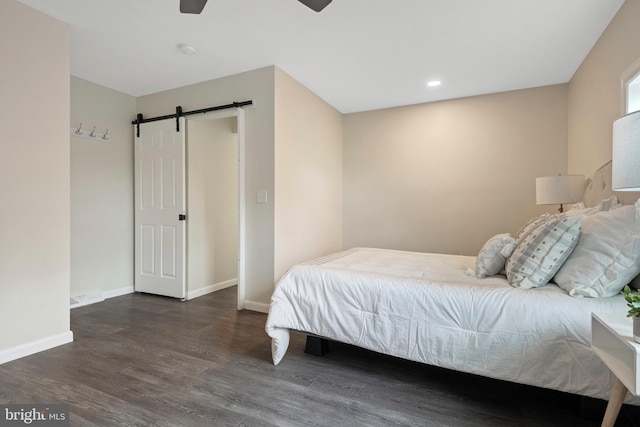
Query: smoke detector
x=187 y=49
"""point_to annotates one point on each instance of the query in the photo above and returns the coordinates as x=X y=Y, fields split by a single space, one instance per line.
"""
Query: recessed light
x=187 y=49
x=434 y=83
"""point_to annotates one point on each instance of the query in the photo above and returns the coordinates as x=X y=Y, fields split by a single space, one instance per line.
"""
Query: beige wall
x=308 y=175
x=259 y=145
x=101 y=191
x=595 y=91
x=212 y=176
x=443 y=177
x=436 y=177
x=34 y=179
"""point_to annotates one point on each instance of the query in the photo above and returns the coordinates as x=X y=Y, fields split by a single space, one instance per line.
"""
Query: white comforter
x=427 y=308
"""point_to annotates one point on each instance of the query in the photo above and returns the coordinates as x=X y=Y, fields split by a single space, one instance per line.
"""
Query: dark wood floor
x=147 y=360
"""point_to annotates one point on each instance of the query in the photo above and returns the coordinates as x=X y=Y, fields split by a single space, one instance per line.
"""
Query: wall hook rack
x=91 y=134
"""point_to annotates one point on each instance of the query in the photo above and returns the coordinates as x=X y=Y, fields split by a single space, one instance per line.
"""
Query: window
x=633 y=94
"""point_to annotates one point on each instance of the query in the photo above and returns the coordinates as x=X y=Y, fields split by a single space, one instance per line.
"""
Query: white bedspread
x=426 y=308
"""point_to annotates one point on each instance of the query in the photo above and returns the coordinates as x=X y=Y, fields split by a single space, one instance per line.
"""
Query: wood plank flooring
x=147 y=360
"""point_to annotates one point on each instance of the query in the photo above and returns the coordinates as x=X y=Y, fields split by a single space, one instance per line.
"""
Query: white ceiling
x=356 y=54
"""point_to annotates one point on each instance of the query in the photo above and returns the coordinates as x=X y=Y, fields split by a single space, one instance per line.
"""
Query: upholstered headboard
x=599 y=188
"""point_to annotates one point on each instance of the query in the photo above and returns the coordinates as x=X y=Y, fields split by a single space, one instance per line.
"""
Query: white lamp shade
x=625 y=175
x=559 y=189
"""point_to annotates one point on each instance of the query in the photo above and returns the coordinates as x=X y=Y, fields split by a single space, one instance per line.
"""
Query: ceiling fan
x=196 y=6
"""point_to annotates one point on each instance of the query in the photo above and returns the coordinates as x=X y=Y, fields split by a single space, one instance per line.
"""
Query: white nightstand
x=612 y=340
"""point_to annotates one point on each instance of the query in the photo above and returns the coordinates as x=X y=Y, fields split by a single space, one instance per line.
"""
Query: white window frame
x=630 y=76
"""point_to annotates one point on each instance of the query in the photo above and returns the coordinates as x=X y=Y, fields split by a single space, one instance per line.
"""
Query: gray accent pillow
x=541 y=253
x=531 y=225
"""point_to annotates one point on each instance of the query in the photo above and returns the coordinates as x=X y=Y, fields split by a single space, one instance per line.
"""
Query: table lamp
x=559 y=189
x=625 y=175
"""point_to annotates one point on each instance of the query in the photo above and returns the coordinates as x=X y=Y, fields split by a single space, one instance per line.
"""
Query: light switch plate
x=261 y=196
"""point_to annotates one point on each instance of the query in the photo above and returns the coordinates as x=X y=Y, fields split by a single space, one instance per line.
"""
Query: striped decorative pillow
x=531 y=225
x=541 y=253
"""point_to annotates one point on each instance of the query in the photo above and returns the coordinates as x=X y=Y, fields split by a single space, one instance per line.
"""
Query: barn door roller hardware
x=179 y=113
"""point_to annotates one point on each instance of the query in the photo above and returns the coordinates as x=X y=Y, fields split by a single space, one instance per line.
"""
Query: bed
x=434 y=309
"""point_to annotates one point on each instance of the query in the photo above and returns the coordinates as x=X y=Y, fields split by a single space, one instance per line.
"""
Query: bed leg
x=316 y=346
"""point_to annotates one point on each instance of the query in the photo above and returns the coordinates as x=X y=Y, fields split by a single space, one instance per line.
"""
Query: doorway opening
x=215 y=225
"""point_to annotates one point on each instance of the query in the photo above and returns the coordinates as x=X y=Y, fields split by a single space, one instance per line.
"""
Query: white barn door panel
x=160 y=202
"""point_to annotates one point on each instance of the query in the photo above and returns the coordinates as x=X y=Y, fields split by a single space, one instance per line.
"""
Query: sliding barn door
x=160 y=208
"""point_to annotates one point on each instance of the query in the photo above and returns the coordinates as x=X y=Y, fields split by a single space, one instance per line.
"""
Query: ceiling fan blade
x=316 y=5
x=192 y=6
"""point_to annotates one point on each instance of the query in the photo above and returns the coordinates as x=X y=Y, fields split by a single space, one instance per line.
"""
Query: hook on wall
x=97 y=136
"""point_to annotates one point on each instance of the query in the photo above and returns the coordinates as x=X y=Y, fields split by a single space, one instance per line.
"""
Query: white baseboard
x=99 y=296
x=35 y=347
x=118 y=292
x=256 y=306
x=213 y=288
x=85 y=299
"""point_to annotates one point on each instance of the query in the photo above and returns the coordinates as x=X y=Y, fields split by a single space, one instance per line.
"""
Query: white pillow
x=579 y=205
x=582 y=211
x=579 y=209
x=607 y=256
x=542 y=252
x=494 y=254
x=609 y=204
